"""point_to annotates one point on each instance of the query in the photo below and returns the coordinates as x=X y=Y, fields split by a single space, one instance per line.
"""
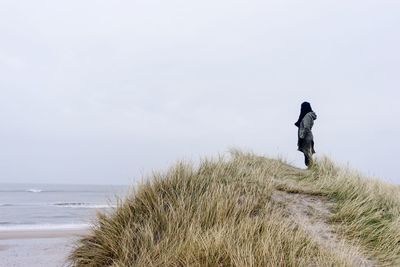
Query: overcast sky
x=103 y=92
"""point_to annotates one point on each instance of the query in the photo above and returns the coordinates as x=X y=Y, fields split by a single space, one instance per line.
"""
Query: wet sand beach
x=37 y=248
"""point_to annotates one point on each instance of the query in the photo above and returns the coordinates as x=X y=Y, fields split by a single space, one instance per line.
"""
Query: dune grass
x=220 y=213
x=366 y=210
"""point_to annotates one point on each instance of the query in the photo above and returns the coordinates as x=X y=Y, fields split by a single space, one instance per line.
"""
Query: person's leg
x=312 y=147
x=309 y=158
x=306 y=159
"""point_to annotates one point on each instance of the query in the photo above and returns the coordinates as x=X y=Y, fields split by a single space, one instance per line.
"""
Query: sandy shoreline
x=36 y=248
x=38 y=234
x=3 y=247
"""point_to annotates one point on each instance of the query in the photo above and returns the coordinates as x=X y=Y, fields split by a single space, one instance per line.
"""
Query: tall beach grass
x=221 y=214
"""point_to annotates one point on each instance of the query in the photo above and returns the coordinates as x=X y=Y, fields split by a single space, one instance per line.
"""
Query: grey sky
x=105 y=91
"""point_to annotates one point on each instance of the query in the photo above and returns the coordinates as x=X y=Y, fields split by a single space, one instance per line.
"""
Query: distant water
x=29 y=206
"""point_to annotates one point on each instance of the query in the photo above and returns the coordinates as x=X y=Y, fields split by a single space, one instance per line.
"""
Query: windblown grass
x=367 y=210
x=221 y=214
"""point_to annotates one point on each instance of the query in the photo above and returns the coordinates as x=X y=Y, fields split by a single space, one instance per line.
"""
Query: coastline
x=37 y=247
x=4 y=247
x=41 y=234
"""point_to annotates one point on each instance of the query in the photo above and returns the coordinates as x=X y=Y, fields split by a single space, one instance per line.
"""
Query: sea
x=53 y=207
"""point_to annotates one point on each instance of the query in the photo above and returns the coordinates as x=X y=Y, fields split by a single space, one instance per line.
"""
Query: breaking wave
x=83 y=205
x=80 y=205
x=34 y=190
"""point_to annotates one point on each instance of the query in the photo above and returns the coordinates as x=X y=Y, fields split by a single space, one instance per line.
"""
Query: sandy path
x=311 y=213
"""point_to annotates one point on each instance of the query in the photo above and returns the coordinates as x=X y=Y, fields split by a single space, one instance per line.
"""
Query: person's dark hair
x=305 y=108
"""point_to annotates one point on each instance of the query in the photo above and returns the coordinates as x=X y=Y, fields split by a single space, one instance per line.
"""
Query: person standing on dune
x=305 y=141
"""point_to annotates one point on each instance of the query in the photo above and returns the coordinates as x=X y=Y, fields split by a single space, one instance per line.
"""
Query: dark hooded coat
x=305 y=123
x=305 y=137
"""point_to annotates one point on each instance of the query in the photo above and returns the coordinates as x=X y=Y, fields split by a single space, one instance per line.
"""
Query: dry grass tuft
x=221 y=214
